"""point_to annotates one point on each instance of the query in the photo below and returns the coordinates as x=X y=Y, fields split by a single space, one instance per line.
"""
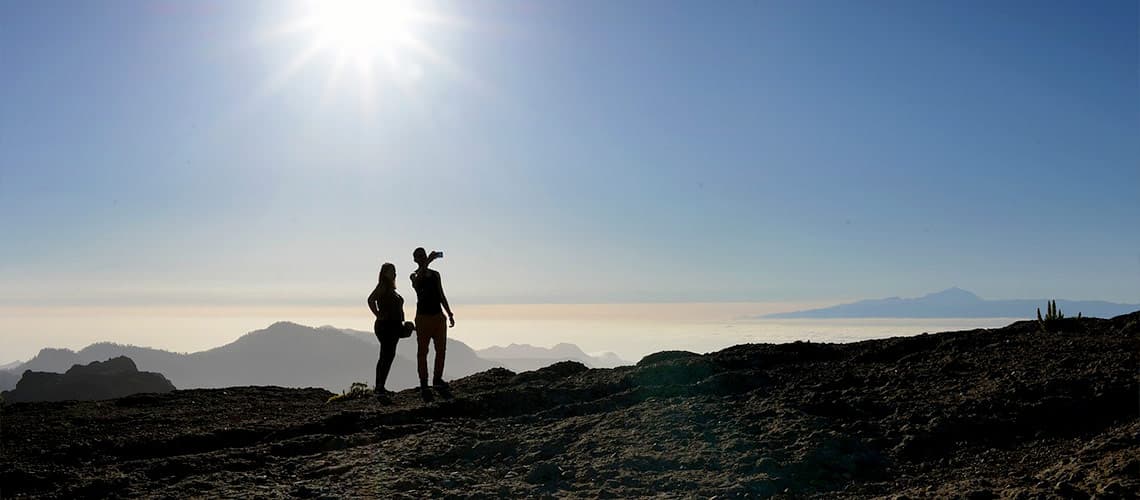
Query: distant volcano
x=957 y=303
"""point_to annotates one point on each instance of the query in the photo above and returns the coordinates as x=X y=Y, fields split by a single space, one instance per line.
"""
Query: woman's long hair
x=387 y=277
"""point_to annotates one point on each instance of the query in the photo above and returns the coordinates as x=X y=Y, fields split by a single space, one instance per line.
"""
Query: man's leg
x=439 y=337
x=423 y=337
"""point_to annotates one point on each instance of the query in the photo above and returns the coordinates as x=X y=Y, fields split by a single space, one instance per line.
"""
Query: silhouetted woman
x=388 y=307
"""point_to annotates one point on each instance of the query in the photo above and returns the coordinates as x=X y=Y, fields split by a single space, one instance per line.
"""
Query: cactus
x=1053 y=314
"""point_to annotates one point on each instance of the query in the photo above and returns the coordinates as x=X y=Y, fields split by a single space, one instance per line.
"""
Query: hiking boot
x=426 y=394
x=440 y=384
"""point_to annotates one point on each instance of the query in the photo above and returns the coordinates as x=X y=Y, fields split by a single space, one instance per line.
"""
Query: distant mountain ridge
x=526 y=357
x=530 y=351
x=290 y=355
x=284 y=354
x=956 y=303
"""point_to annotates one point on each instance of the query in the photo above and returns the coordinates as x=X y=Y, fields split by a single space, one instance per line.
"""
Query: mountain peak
x=52 y=355
x=954 y=293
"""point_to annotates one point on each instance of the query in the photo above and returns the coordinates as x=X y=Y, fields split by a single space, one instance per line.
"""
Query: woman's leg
x=384 y=365
x=381 y=374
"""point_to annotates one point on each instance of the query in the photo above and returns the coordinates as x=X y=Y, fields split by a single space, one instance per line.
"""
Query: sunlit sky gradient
x=178 y=153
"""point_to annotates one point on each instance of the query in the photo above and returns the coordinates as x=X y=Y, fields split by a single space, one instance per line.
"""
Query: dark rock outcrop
x=114 y=378
x=1004 y=413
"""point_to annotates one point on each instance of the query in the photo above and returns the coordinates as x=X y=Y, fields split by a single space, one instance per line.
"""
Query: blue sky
x=161 y=153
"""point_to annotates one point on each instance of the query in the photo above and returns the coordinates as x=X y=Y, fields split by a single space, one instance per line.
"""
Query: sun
x=379 y=39
x=361 y=29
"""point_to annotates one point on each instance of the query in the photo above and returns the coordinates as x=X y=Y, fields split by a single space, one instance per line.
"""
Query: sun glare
x=363 y=28
x=381 y=39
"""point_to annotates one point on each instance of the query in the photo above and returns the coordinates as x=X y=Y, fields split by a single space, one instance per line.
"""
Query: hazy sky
x=174 y=152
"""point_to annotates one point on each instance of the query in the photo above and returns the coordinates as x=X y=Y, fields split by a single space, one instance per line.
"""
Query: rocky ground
x=1010 y=413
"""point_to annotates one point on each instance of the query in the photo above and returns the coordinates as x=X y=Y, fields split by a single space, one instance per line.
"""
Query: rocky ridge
x=1003 y=413
x=113 y=378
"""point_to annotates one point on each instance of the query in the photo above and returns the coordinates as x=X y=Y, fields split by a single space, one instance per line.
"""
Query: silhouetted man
x=431 y=326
